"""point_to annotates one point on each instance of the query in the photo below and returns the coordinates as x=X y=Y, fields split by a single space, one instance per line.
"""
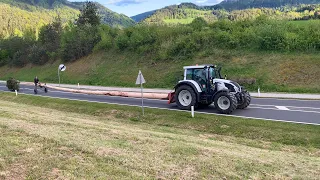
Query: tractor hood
x=231 y=85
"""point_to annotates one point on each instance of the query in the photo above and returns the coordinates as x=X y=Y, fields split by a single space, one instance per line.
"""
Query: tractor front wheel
x=246 y=100
x=225 y=102
x=185 y=97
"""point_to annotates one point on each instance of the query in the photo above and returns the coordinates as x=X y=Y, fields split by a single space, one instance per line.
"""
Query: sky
x=134 y=7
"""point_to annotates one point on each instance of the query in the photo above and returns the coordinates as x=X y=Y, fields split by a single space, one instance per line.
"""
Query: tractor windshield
x=215 y=73
x=212 y=73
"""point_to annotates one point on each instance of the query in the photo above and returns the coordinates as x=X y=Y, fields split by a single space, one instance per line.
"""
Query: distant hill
x=245 y=4
x=185 y=13
x=141 y=17
x=19 y=16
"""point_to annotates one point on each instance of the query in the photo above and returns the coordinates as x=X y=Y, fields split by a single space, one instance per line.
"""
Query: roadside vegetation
x=72 y=139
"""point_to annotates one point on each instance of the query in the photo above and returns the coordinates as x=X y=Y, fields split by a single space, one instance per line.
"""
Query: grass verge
x=52 y=138
x=280 y=132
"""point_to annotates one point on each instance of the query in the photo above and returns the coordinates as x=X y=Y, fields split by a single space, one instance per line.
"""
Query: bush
x=3 y=57
x=184 y=47
x=272 y=37
x=122 y=41
x=13 y=84
x=19 y=59
x=198 y=24
x=106 y=41
x=38 y=55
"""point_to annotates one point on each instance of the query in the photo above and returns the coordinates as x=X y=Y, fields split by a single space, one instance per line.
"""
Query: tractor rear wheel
x=246 y=101
x=185 y=97
x=225 y=102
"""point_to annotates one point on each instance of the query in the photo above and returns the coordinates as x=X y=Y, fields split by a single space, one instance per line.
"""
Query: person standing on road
x=36 y=81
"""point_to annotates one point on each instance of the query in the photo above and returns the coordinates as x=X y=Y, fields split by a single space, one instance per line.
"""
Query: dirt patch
x=295 y=73
x=56 y=174
x=17 y=171
x=105 y=151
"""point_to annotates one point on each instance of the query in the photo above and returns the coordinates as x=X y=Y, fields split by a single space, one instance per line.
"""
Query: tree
x=89 y=15
x=198 y=23
x=50 y=35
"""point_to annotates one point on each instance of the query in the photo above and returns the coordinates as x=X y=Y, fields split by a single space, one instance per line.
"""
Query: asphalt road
x=295 y=111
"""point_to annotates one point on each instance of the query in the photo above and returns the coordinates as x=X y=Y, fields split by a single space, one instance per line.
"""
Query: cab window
x=195 y=74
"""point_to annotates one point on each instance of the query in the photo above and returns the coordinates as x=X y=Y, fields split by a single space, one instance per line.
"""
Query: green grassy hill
x=18 y=17
x=295 y=72
x=17 y=21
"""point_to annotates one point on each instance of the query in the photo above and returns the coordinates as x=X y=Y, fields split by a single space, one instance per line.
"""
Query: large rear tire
x=246 y=102
x=225 y=102
x=185 y=97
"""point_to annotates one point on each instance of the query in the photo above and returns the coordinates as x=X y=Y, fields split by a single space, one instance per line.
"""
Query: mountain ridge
x=184 y=13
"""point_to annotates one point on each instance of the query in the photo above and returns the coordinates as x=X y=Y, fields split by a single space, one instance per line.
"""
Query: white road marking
x=285 y=99
x=282 y=108
x=290 y=110
x=294 y=107
x=244 y=117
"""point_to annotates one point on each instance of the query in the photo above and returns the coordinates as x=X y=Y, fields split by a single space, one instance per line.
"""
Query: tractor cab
x=203 y=75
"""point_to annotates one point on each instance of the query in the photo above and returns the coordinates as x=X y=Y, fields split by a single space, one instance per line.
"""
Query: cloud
x=124 y=2
x=207 y=2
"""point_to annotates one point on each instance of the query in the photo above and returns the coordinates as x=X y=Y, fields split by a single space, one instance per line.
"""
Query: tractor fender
x=196 y=87
x=193 y=84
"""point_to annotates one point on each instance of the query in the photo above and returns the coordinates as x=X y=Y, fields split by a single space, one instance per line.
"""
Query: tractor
x=203 y=85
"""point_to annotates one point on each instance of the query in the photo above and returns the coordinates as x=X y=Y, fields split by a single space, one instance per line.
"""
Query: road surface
x=295 y=111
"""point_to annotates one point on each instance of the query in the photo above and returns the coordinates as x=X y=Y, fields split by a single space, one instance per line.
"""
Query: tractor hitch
x=171 y=98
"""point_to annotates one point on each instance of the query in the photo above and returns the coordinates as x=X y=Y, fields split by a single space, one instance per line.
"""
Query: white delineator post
x=16 y=92
x=140 y=80
x=59 y=75
x=78 y=86
x=142 y=95
x=192 y=111
x=259 y=92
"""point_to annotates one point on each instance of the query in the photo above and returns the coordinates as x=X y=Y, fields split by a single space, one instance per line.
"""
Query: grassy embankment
x=71 y=139
x=282 y=72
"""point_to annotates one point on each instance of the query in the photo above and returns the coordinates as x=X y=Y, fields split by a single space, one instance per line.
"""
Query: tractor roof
x=198 y=66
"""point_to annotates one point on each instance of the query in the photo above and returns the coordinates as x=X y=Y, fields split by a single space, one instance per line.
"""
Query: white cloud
x=207 y=2
x=124 y=2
